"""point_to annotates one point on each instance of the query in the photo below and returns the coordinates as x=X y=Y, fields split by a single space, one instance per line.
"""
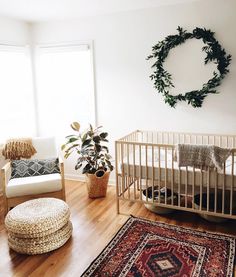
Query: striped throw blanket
x=201 y=156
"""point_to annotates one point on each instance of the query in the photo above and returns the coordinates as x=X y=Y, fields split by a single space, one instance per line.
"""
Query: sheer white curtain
x=17 y=114
x=65 y=91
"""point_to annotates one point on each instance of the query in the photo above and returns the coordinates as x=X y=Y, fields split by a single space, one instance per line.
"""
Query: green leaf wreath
x=214 y=53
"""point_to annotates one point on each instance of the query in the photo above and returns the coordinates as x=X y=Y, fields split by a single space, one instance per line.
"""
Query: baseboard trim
x=80 y=177
x=75 y=177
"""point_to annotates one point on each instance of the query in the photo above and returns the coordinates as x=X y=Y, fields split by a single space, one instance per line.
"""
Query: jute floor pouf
x=42 y=245
x=38 y=226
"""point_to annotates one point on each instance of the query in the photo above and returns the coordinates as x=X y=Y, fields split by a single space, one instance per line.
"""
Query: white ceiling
x=43 y=10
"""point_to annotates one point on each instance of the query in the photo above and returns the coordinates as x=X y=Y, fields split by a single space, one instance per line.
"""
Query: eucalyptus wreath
x=214 y=53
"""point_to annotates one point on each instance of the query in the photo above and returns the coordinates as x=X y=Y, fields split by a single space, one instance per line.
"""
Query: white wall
x=126 y=99
x=14 y=31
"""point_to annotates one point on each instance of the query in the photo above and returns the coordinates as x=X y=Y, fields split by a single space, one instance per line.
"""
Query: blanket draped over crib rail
x=201 y=156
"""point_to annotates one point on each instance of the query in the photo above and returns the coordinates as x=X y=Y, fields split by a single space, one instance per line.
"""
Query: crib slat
x=223 y=191
x=216 y=190
x=153 y=174
x=186 y=188
x=159 y=173
x=123 y=173
x=201 y=184
x=172 y=177
x=166 y=175
x=232 y=185
x=128 y=171
x=179 y=184
x=140 y=174
x=117 y=178
x=193 y=188
x=146 y=171
x=208 y=188
x=134 y=171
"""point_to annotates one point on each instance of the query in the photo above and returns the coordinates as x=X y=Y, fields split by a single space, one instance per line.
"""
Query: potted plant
x=93 y=157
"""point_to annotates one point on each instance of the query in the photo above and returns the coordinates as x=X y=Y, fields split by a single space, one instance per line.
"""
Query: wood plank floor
x=95 y=222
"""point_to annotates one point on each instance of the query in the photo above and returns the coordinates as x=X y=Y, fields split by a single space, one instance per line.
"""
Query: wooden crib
x=145 y=161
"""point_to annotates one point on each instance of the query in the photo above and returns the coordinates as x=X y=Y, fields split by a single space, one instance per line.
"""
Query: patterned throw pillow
x=28 y=168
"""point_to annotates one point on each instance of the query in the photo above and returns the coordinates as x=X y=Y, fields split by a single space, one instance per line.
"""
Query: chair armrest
x=61 y=166
x=61 y=162
x=5 y=175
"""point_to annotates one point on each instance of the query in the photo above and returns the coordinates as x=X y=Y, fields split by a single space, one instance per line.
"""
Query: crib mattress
x=160 y=168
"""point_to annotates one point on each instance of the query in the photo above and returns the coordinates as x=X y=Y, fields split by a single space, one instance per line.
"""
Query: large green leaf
x=96 y=139
x=75 y=126
x=86 y=142
x=78 y=166
x=111 y=167
x=98 y=147
x=73 y=139
x=105 y=148
x=71 y=136
x=71 y=147
x=87 y=168
x=108 y=162
x=63 y=147
x=84 y=137
x=108 y=157
x=103 y=135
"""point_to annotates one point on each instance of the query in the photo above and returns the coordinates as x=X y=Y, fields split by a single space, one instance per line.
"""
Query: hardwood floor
x=95 y=222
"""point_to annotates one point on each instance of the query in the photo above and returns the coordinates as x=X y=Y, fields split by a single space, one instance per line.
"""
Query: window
x=65 y=91
x=17 y=118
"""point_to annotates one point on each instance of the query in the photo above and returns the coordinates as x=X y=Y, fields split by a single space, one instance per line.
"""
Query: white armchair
x=18 y=190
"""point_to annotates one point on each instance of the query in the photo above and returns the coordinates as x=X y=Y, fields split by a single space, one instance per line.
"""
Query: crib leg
x=117 y=205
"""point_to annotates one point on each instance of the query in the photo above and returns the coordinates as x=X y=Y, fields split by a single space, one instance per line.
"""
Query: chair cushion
x=33 y=185
x=45 y=147
x=28 y=168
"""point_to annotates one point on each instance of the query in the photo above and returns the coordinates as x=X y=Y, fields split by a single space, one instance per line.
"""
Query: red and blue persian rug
x=147 y=248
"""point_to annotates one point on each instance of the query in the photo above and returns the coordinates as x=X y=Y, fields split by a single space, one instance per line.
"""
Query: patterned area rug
x=146 y=248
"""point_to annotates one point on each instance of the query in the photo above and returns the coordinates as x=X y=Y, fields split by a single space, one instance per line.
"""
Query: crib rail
x=155 y=137
x=145 y=166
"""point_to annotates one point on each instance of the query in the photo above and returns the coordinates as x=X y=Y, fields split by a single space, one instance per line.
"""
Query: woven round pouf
x=38 y=226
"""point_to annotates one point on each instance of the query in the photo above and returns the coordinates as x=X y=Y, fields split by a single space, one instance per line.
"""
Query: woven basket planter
x=38 y=226
x=97 y=184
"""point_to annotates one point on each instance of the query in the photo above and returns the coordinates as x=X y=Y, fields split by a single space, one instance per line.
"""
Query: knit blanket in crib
x=201 y=156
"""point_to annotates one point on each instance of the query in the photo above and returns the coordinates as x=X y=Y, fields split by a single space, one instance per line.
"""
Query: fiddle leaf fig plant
x=93 y=154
